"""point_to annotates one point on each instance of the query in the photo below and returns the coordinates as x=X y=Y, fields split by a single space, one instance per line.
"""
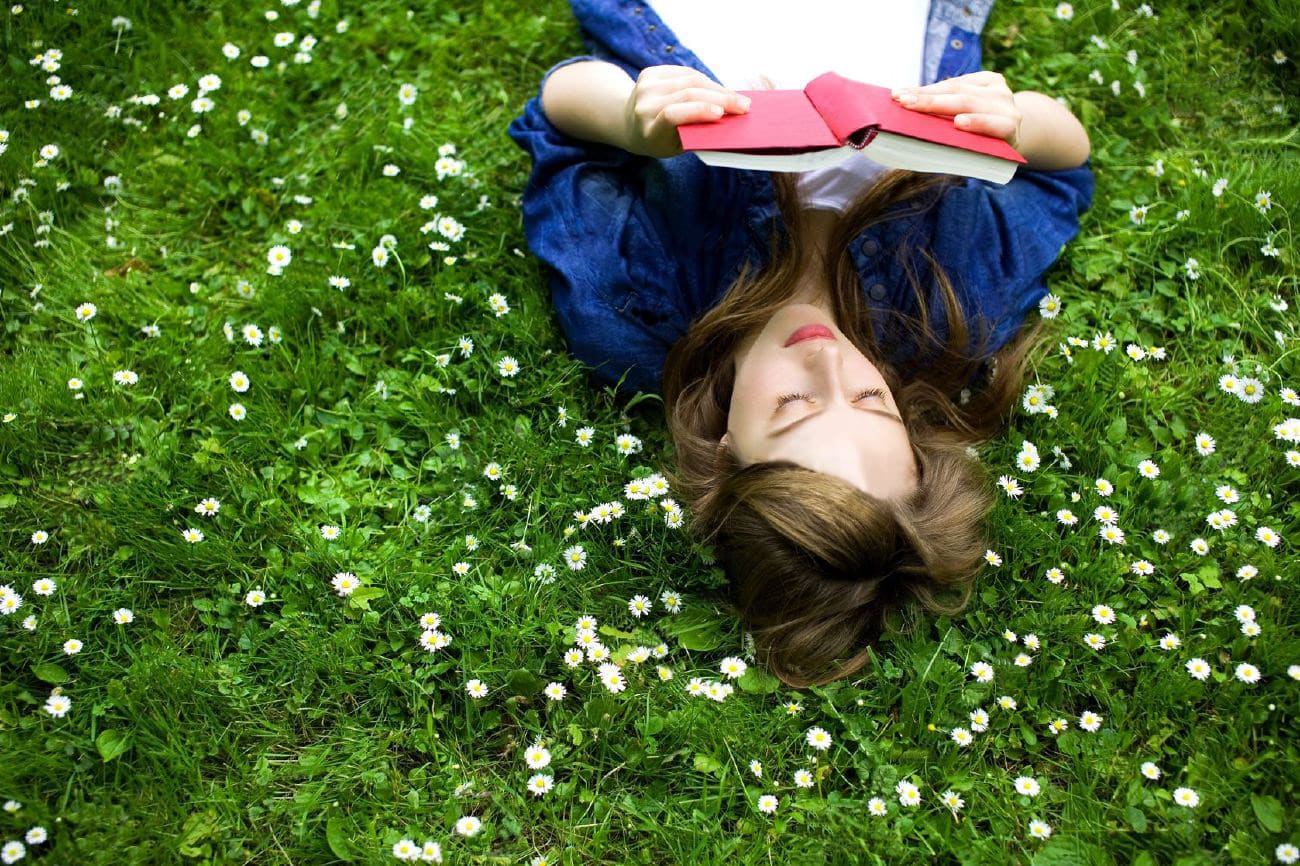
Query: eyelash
x=790 y=398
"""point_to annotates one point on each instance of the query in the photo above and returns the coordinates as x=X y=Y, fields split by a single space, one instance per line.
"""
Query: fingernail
x=744 y=102
x=715 y=109
x=907 y=98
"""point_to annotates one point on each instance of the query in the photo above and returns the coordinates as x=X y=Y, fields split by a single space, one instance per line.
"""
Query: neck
x=814 y=287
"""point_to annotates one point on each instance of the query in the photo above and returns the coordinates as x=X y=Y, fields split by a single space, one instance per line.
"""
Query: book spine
x=860 y=139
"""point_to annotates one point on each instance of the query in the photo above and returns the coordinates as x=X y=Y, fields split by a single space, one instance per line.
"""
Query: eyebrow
x=794 y=424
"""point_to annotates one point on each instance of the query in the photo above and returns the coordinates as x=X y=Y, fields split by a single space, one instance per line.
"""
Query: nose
x=825 y=364
x=826 y=348
x=827 y=354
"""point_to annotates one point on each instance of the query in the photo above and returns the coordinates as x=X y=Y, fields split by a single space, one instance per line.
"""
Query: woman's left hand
x=978 y=102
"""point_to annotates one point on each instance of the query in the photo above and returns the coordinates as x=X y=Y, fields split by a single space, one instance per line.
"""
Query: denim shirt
x=636 y=248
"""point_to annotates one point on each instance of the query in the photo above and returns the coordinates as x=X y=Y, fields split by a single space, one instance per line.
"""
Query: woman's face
x=804 y=393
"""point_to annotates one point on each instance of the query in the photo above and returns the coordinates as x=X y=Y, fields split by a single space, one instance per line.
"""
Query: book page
x=900 y=151
x=803 y=161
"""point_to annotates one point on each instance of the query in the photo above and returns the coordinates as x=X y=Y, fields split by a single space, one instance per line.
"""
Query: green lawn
x=316 y=727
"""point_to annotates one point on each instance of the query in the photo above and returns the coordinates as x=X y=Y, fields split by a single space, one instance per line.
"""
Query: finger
x=681 y=77
x=983 y=78
x=995 y=125
x=705 y=91
x=951 y=87
x=956 y=103
x=730 y=100
x=690 y=112
x=727 y=100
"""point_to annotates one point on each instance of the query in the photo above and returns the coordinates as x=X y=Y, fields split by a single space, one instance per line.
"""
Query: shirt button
x=956 y=43
x=877 y=292
x=870 y=247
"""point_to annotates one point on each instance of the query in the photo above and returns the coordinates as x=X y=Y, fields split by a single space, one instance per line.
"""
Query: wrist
x=1050 y=136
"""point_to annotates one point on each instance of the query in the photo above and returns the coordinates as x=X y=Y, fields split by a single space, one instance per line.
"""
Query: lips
x=810 y=332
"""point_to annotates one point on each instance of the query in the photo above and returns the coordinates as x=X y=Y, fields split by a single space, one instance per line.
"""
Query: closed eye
x=790 y=398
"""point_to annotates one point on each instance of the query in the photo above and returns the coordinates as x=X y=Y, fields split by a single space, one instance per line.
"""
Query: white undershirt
x=877 y=41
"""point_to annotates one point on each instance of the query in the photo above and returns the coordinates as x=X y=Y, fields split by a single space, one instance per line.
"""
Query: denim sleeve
x=999 y=240
x=579 y=220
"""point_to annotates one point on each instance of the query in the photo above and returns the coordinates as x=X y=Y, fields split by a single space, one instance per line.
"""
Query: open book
x=834 y=117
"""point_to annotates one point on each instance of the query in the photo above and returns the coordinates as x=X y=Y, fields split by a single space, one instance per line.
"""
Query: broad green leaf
x=524 y=682
x=706 y=763
x=362 y=595
x=1198 y=858
x=198 y=827
x=695 y=629
x=1268 y=811
x=112 y=743
x=1137 y=819
x=758 y=681
x=337 y=838
x=50 y=673
x=1068 y=851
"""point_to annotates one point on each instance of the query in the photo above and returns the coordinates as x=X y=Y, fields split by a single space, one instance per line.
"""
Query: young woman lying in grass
x=829 y=343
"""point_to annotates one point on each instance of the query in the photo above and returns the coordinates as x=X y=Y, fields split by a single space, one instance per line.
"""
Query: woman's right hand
x=665 y=97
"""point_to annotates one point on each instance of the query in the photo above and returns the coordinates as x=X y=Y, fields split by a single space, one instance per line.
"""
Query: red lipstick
x=810 y=332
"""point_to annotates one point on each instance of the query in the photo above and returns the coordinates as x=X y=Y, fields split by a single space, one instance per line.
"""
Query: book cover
x=833 y=112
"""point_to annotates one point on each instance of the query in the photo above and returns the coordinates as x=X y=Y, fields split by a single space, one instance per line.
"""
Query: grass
x=314 y=728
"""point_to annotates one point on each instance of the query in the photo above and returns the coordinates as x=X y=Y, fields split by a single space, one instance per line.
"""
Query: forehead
x=872 y=453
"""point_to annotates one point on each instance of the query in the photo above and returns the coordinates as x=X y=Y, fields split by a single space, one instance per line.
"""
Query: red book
x=833 y=117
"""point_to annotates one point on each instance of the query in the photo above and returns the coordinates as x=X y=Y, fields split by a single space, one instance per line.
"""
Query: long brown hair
x=816 y=566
